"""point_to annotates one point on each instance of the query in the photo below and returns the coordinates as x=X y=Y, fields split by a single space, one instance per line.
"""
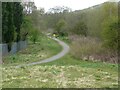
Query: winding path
x=53 y=58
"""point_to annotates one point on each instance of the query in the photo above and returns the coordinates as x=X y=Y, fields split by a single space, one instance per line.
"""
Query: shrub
x=34 y=35
x=80 y=29
x=110 y=33
x=25 y=28
x=82 y=47
x=88 y=48
x=59 y=27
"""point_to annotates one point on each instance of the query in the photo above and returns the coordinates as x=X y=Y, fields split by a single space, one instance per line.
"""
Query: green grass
x=44 y=48
x=71 y=76
x=70 y=60
x=67 y=72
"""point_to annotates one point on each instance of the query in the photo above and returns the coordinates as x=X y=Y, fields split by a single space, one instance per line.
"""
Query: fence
x=16 y=46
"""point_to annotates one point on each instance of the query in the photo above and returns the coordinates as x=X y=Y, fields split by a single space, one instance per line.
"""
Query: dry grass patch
x=58 y=77
x=88 y=48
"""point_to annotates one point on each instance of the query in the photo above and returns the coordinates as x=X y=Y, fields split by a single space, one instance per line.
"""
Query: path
x=53 y=58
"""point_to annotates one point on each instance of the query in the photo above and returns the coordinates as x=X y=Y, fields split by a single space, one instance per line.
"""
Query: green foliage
x=4 y=21
x=109 y=9
x=34 y=35
x=11 y=22
x=18 y=18
x=80 y=29
x=60 y=26
x=35 y=18
x=88 y=22
x=92 y=17
x=7 y=24
x=44 y=48
x=25 y=27
x=66 y=72
x=110 y=33
x=31 y=21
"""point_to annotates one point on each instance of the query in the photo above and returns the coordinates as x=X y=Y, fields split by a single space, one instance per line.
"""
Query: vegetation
x=11 y=24
x=91 y=49
x=92 y=35
x=110 y=33
x=60 y=27
x=34 y=35
x=18 y=12
x=101 y=25
x=80 y=29
x=42 y=49
x=67 y=72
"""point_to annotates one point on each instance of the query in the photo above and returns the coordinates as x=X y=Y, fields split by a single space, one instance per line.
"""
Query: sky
x=73 y=4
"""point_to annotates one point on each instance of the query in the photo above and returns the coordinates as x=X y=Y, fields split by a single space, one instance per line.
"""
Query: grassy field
x=42 y=49
x=62 y=75
x=66 y=72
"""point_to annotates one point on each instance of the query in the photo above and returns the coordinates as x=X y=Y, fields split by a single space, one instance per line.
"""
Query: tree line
x=12 y=18
x=99 y=21
x=19 y=22
x=21 y=19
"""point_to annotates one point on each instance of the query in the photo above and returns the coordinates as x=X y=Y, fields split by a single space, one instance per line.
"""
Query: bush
x=34 y=35
x=59 y=27
x=80 y=29
x=87 y=48
x=110 y=33
x=25 y=28
x=82 y=47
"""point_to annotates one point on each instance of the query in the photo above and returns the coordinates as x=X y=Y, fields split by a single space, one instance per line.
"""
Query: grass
x=89 y=48
x=1 y=76
x=67 y=72
x=62 y=76
x=70 y=60
x=44 y=48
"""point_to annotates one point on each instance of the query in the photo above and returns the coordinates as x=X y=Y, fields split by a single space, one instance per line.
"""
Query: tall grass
x=88 y=48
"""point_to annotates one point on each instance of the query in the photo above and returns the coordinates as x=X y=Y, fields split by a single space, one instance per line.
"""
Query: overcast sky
x=74 y=4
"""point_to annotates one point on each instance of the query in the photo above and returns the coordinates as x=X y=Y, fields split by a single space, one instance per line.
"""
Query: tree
x=41 y=11
x=110 y=33
x=32 y=21
x=9 y=31
x=80 y=29
x=4 y=22
x=25 y=27
x=28 y=7
x=59 y=9
x=35 y=18
x=34 y=35
x=18 y=18
x=110 y=25
x=11 y=23
x=59 y=26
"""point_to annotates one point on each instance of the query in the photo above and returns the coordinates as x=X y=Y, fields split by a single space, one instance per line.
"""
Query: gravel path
x=53 y=58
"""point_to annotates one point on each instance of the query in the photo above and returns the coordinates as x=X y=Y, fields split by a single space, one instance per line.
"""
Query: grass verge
x=42 y=49
x=53 y=76
x=67 y=72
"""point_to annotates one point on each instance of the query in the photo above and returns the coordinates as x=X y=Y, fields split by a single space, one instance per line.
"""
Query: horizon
x=73 y=4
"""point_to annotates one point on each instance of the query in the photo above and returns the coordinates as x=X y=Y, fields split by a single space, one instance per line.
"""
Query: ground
x=67 y=72
x=42 y=49
x=54 y=76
